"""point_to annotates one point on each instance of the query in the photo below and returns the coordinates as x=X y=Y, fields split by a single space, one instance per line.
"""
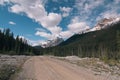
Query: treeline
x=13 y=46
x=104 y=44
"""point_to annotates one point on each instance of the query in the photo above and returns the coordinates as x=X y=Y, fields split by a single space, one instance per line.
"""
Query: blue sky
x=41 y=20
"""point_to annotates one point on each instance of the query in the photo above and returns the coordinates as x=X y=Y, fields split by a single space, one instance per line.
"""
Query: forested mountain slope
x=103 y=43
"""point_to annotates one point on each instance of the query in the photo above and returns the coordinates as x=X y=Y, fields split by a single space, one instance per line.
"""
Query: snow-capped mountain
x=102 y=24
x=53 y=42
x=105 y=23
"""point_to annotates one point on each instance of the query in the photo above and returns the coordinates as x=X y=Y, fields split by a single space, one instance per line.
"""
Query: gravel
x=12 y=64
x=100 y=68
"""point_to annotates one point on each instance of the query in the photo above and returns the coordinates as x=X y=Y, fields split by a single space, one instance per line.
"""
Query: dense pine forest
x=104 y=44
x=13 y=46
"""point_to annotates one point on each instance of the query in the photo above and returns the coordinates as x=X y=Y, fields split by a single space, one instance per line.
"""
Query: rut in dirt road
x=46 y=68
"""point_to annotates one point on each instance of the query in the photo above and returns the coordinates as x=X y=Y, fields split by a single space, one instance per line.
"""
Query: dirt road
x=47 y=68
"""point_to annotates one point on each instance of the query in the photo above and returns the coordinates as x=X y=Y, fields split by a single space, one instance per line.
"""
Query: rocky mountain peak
x=53 y=42
x=105 y=23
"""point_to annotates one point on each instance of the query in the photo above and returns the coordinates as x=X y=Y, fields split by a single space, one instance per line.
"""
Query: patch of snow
x=72 y=58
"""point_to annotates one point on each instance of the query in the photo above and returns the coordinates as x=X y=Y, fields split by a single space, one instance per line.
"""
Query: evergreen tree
x=11 y=45
x=118 y=40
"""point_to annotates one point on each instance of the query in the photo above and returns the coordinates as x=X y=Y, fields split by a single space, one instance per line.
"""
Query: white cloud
x=87 y=5
x=43 y=34
x=111 y=11
x=35 y=10
x=12 y=23
x=85 y=8
x=65 y=11
x=40 y=29
x=52 y=20
x=66 y=34
x=16 y=9
x=1 y=2
x=77 y=27
x=117 y=1
x=49 y=36
x=55 y=30
x=75 y=19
